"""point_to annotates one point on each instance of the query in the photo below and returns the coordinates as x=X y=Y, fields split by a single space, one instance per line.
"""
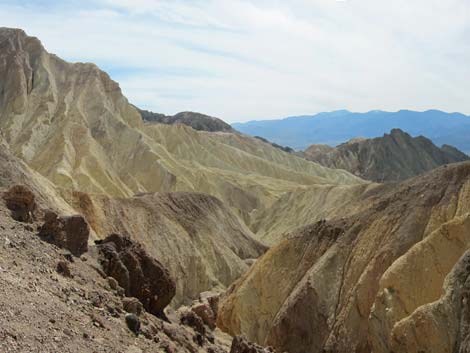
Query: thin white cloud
x=243 y=60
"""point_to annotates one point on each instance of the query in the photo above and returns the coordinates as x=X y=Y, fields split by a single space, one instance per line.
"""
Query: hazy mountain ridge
x=323 y=128
x=393 y=157
x=197 y=121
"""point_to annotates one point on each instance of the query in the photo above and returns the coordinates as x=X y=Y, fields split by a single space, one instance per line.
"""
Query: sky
x=245 y=60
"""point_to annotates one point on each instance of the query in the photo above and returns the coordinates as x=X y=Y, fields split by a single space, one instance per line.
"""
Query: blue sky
x=245 y=60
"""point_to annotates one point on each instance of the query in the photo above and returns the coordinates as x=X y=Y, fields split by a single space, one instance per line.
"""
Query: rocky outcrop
x=191 y=319
x=379 y=280
x=197 y=121
x=139 y=274
x=68 y=232
x=72 y=307
x=195 y=236
x=206 y=308
x=21 y=202
x=393 y=157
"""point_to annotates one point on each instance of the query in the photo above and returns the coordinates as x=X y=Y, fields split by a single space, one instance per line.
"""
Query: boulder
x=133 y=323
x=212 y=298
x=189 y=318
x=132 y=305
x=21 y=202
x=204 y=311
x=141 y=276
x=70 y=232
x=206 y=308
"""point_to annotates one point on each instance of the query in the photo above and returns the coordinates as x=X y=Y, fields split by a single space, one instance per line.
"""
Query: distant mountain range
x=336 y=127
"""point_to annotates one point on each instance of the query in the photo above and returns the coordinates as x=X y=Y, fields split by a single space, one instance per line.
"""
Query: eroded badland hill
x=119 y=235
x=394 y=157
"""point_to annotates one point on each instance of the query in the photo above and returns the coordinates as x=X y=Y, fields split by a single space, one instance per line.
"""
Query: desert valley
x=125 y=230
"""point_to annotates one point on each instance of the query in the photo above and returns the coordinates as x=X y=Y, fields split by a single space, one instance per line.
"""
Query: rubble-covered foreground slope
x=43 y=311
x=393 y=157
x=391 y=277
x=59 y=292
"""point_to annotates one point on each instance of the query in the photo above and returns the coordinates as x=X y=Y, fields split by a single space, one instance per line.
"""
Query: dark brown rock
x=141 y=276
x=212 y=298
x=68 y=256
x=190 y=319
x=70 y=232
x=198 y=339
x=204 y=311
x=133 y=322
x=63 y=268
x=21 y=202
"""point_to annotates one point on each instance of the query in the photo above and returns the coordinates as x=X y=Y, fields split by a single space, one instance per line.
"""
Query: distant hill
x=336 y=127
x=197 y=121
x=393 y=157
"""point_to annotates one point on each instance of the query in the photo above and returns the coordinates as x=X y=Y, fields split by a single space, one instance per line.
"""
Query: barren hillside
x=387 y=278
x=71 y=123
x=119 y=235
x=391 y=158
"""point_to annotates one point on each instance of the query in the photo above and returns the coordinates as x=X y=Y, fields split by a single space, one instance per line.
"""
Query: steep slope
x=304 y=206
x=197 y=121
x=201 y=242
x=52 y=301
x=83 y=136
x=393 y=157
x=71 y=123
x=197 y=237
x=381 y=279
x=15 y=171
x=333 y=128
